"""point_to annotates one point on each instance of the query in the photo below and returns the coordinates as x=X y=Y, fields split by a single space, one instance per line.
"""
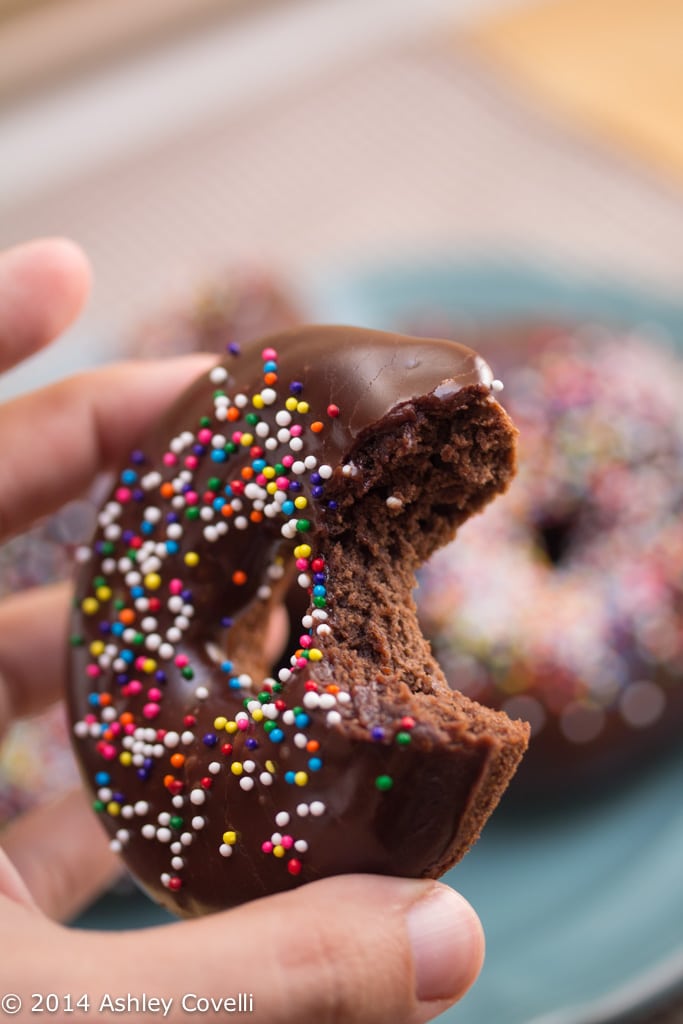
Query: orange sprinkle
x=127 y=718
x=233 y=413
x=270 y=378
x=317 y=426
x=332 y=688
x=177 y=760
x=105 y=698
x=256 y=516
x=312 y=746
x=108 y=735
x=227 y=511
x=169 y=780
x=247 y=473
x=127 y=616
x=239 y=578
x=167 y=490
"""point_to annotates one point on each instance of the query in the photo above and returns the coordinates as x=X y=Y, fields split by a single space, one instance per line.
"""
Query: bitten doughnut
x=564 y=603
x=328 y=462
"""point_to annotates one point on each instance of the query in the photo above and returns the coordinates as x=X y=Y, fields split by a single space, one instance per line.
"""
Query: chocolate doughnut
x=564 y=604
x=328 y=462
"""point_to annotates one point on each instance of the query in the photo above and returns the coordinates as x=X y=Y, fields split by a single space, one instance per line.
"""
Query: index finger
x=61 y=437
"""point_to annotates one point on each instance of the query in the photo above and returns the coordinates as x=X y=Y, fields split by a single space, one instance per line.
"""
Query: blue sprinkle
x=319 y=590
x=94 y=700
x=315 y=764
x=129 y=476
x=128 y=657
x=147 y=527
x=301 y=720
x=118 y=628
x=289 y=777
x=288 y=507
x=137 y=592
x=172 y=547
x=276 y=735
x=270 y=366
x=102 y=778
x=218 y=455
x=226 y=666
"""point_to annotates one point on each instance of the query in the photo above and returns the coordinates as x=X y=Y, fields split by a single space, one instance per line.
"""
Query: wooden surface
x=612 y=67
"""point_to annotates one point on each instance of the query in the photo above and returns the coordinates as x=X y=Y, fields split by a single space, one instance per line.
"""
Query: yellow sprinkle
x=271 y=487
x=291 y=404
x=300 y=779
x=220 y=722
x=231 y=727
x=257 y=402
x=192 y=558
x=149 y=666
x=96 y=648
x=229 y=838
x=302 y=551
x=113 y=808
x=152 y=581
x=246 y=440
x=300 y=502
x=236 y=768
x=302 y=407
x=269 y=472
x=257 y=715
x=314 y=654
x=270 y=766
x=103 y=593
x=126 y=758
x=90 y=605
x=278 y=851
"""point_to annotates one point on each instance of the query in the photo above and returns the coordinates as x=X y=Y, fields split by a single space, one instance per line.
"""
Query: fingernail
x=447 y=944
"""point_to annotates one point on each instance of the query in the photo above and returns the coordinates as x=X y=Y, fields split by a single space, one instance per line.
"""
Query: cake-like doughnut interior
x=327 y=463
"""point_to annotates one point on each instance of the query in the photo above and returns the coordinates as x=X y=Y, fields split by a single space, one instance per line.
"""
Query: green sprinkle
x=384 y=783
x=403 y=738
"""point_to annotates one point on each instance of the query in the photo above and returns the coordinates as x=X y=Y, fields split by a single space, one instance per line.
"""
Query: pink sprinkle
x=282 y=483
x=122 y=495
x=287 y=842
x=129 y=729
x=302 y=564
x=204 y=436
x=191 y=461
x=93 y=671
x=288 y=460
x=108 y=752
x=305 y=641
x=175 y=586
x=140 y=663
x=268 y=354
x=182 y=660
x=151 y=710
x=134 y=687
x=261 y=480
x=267 y=847
x=90 y=718
x=301 y=662
x=154 y=694
x=169 y=459
x=243 y=724
x=115 y=728
x=191 y=498
x=295 y=431
x=237 y=436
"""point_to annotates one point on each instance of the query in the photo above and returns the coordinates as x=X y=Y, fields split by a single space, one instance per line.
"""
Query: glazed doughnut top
x=218 y=776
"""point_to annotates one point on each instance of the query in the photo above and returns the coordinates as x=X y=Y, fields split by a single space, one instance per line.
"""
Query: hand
x=350 y=949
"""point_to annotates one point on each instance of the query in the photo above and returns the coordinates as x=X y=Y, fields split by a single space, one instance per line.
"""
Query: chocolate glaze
x=374 y=802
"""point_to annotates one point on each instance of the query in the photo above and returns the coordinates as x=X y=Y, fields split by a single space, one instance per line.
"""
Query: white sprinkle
x=187 y=737
x=164 y=835
x=301 y=846
x=317 y=808
x=81 y=730
x=171 y=740
x=186 y=838
x=394 y=503
x=177 y=863
x=325 y=472
x=268 y=395
x=218 y=375
x=302 y=810
x=497 y=385
x=298 y=467
x=197 y=823
x=225 y=850
x=115 y=846
x=266 y=779
x=296 y=444
x=240 y=401
x=197 y=797
x=282 y=819
x=300 y=740
x=201 y=693
x=178 y=801
x=246 y=783
x=214 y=767
x=311 y=700
x=283 y=418
x=148 y=831
x=333 y=718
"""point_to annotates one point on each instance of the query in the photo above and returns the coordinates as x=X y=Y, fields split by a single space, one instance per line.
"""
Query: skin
x=338 y=950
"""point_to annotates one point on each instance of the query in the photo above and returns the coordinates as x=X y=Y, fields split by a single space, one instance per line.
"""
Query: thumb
x=355 y=948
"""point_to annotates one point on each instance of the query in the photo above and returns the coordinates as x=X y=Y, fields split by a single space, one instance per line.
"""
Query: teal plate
x=583 y=904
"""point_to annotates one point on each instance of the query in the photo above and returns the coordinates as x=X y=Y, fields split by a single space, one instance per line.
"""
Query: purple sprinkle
x=210 y=740
x=316 y=478
x=171 y=517
x=296 y=387
x=377 y=733
x=138 y=494
x=233 y=348
x=251 y=743
x=226 y=622
x=318 y=577
x=160 y=676
x=295 y=485
x=199 y=449
x=186 y=596
x=332 y=505
x=137 y=457
x=317 y=492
